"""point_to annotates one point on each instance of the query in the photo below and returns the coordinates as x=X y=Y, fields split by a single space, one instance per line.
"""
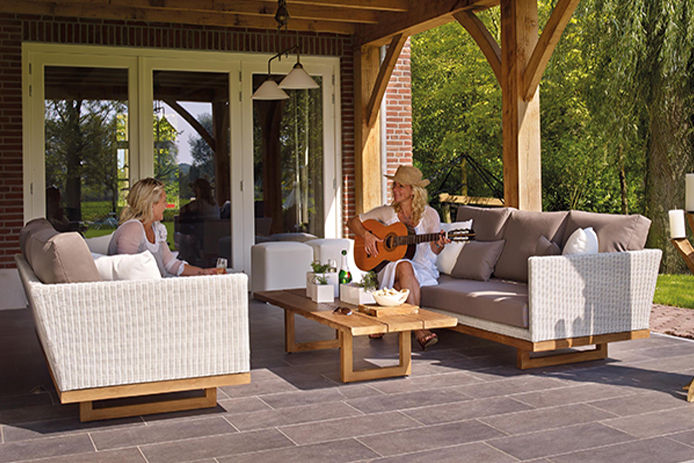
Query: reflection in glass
x=288 y=163
x=191 y=156
x=86 y=124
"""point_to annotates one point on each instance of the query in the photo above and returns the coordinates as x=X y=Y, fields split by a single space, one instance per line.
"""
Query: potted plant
x=325 y=271
x=320 y=290
x=360 y=293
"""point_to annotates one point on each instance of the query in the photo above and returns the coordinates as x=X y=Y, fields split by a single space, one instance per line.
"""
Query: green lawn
x=677 y=290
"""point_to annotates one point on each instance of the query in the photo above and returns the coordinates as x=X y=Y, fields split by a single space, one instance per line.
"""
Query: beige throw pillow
x=447 y=258
x=477 y=260
x=142 y=266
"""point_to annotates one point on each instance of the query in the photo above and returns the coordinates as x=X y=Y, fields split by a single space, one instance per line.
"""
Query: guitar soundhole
x=389 y=242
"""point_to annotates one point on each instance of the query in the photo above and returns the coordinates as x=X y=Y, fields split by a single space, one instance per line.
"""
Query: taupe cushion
x=59 y=257
x=32 y=226
x=615 y=232
x=494 y=300
x=487 y=223
x=477 y=259
x=522 y=230
x=545 y=247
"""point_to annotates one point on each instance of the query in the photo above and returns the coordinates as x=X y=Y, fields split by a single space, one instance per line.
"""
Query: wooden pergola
x=518 y=61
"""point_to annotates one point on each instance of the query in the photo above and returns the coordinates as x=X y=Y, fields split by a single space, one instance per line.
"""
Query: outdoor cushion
x=545 y=247
x=99 y=244
x=494 y=300
x=477 y=260
x=488 y=223
x=615 y=232
x=141 y=266
x=31 y=227
x=581 y=241
x=60 y=257
x=447 y=258
x=522 y=230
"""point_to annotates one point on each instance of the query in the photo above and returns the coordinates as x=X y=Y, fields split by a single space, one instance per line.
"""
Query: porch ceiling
x=371 y=21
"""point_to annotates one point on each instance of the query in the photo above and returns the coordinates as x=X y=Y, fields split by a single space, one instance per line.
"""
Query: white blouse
x=130 y=238
x=424 y=260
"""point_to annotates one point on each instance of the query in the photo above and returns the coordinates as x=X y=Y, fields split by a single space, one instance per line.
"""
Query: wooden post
x=367 y=137
x=521 y=119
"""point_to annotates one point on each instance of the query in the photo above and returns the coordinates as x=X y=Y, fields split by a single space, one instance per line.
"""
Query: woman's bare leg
x=405 y=278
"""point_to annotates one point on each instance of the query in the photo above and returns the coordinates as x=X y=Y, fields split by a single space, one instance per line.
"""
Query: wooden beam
x=479 y=32
x=384 y=73
x=520 y=118
x=367 y=138
x=265 y=8
x=380 y=5
x=464 y=199
x=190 y=119
x=545 y=46
x=164 y=15
x=420 y=17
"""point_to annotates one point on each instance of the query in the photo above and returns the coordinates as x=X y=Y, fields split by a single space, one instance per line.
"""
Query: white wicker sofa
x=115 y=339
x=538 y=302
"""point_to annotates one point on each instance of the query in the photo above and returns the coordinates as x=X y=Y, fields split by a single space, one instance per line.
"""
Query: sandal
x=427 y=341
x=376 y=336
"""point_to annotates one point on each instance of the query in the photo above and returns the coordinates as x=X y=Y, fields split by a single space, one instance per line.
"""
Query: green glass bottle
x=344 y=275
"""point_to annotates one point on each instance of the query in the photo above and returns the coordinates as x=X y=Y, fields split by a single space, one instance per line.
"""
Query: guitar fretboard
x=416 y=239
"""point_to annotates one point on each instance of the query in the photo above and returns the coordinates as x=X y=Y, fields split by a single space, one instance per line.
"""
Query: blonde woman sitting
x=141 y=230
x=410 y=207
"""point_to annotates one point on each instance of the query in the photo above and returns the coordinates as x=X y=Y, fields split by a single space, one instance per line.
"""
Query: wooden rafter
x=380 y=5
x=384 y=73
x=488 y=44
x=190 y=119
x=545 y=46
x=421 y=16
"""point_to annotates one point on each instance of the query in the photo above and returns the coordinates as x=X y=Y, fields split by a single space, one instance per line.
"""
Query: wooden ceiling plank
x=561 y=15
x=481 y=35
x=400 y=6
x=245 y=7
x=420 y=17
x=384 y=73
x=168 y=16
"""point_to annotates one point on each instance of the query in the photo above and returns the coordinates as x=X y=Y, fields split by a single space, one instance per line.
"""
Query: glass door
x=86 y=147
x=191 y=146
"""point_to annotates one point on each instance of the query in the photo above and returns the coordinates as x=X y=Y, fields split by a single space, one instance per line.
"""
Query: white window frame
x=140 y=62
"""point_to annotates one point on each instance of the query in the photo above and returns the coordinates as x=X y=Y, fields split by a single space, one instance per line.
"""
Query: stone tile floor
x=465 y=401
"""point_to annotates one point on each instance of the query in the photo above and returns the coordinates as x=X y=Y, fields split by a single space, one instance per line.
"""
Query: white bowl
x=383 y=298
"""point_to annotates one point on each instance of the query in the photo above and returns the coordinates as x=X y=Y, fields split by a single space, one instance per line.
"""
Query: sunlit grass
x=676 y=290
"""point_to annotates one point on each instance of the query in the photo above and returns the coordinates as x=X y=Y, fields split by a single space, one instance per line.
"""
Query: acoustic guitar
x=399 y=242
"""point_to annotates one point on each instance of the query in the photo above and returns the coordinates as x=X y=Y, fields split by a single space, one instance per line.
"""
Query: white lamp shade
x=269 y=90
x=298 y=79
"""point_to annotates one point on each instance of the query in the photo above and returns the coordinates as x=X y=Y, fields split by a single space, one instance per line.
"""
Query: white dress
x=424 y=259
x=130 y=238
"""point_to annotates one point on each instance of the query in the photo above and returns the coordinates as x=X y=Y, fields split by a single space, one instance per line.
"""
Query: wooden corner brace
x=479 y=32
x=384 y=73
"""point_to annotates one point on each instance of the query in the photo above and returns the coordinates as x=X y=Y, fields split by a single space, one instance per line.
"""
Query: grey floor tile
x=407 y=400
x=511 y=386
x=53 y=428
x=296 y=398
x=258 y=388
x=42 y=448
x=214 y=446
x=333 y=452
x=37 y=413
x=684 y=437
x=545 y=418
x=571 y=394
x=568 y=439
x=430 y=437
x=475 y=452
x=458 y=411
x=342 y=428
x=242 y=405
x=638 y=403
x=160 y=432
x=131 y=455
x=655 y=423
x=420 y=383
x=659 y=450
x=293 y=415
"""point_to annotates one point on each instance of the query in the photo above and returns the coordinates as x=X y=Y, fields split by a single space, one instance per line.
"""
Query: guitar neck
x=416 y=239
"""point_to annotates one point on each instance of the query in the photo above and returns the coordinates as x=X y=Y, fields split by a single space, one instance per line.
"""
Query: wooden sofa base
x=525 y=360
x=208 y=384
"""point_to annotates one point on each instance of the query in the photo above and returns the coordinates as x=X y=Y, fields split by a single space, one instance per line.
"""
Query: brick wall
x=17 y=28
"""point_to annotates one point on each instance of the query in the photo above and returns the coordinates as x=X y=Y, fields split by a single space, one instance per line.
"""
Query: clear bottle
x=332 y=265
x=344 y=277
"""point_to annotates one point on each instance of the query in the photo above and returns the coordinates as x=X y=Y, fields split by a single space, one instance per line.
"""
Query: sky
x=186 y=132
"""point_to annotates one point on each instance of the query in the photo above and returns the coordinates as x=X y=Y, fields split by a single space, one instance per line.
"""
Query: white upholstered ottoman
x=331 y=248
x=280 y=265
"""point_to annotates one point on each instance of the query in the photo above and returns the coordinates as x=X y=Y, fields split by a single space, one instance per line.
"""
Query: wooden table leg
x=290 y=344
x=348 y=374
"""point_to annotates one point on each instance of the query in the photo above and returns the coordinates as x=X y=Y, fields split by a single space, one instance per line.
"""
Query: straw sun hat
x=409 y=175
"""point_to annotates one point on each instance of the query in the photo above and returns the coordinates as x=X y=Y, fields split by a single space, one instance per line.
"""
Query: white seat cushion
x=140 y=266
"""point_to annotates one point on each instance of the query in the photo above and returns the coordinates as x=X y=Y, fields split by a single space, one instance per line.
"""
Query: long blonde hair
x=143 y=194
x=420 y=199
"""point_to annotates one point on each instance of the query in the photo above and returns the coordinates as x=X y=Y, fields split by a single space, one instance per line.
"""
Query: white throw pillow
x=99 y=244
x=447 y=258
x=140 y=266
x=582 y=241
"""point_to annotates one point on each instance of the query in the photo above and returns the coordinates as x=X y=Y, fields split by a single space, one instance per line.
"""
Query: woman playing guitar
x=410 y=207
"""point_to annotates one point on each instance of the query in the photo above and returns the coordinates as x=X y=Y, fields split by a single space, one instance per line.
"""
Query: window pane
x=191 y=156
x=87 y=152
x=288 y=162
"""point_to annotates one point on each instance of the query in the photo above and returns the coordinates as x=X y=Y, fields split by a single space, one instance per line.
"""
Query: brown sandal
x=427 y=341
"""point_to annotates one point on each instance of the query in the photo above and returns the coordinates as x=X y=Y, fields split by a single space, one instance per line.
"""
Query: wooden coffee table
x=294 y=302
